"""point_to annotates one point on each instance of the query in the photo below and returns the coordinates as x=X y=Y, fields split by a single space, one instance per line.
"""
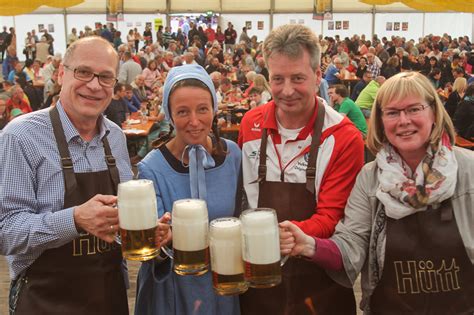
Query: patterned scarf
x=433 y=181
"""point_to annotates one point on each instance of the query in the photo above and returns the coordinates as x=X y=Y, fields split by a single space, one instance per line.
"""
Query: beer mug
x=225 y=242
x=261 y=247
x=138 y=219
x=190 y=237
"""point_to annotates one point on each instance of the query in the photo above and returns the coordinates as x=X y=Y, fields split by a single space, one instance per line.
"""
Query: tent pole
x=65 y=26
x=423 y=27
x=167 y=12
x=374 y=11
x=272 y=9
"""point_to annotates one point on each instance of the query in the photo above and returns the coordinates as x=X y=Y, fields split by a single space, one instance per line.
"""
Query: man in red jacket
x=301 y=158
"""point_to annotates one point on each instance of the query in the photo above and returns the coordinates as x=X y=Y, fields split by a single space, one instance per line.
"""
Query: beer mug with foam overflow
x=138 y=219
x=261 y=248
x=225 y=241
x=190 y=225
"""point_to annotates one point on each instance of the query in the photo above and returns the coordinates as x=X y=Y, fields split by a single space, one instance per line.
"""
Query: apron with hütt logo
x=83 y=276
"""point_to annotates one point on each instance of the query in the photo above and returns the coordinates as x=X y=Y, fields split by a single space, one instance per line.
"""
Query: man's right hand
x=98 y=216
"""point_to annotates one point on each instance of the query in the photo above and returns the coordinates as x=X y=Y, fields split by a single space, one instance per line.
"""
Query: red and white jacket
x=340 y=159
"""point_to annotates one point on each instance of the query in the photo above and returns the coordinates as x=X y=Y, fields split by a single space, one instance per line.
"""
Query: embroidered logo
x=256 y=127
x=415 y=277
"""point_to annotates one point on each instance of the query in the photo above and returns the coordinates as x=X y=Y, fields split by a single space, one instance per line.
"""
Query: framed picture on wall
x=51 y=28
x=40 y=28
x=300 y=21
x=292 y=21
x=338 y=25
x=330 y=25
x=345 y=25
x=138 y=24
x=405 y=26
x=396 y=26
x=389 y=26
x=260 y=25
x=129 y=24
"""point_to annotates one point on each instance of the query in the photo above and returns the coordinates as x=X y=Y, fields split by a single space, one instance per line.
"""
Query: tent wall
x=419 y=24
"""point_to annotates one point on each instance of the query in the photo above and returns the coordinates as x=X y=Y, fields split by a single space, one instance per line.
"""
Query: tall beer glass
x=225 y=241
x=190 y=237
x=261 y=247
x=138 y=219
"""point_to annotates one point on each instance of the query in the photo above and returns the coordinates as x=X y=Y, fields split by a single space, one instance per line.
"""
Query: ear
x=60 y=74
x=318 y=76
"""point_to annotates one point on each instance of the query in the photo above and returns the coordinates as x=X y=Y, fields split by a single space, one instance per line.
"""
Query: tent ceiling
x=224 y=6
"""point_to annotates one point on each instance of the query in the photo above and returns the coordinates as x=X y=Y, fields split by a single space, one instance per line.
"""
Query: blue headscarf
x=199 y=158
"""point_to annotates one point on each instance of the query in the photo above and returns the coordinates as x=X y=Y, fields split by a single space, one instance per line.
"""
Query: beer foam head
x=257 y=220
x=226 y=246
x=191 y=209
x=225 y=228
x=137 y=205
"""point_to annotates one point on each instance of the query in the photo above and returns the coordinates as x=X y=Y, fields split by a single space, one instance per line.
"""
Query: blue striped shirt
x=32 y=218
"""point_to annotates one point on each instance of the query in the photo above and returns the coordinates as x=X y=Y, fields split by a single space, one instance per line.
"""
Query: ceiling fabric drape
x=429 y=5
x=15 y=7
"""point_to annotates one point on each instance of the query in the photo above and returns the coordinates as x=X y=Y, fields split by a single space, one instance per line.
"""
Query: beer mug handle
x=168 y=252
x=283 y=260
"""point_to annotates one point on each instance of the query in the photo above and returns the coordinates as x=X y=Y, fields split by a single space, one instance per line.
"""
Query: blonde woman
x=459 y=87
x=408 y=222
x=261 y=83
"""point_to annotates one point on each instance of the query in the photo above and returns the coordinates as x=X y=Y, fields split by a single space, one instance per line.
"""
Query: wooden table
x=348 y=83
x=231 y=132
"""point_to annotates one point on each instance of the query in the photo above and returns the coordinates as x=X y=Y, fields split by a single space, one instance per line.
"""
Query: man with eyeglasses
x=57 y=195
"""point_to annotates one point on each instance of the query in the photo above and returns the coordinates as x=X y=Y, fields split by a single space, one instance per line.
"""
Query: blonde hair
x=460 y=85
x=397 y=88
x=250 y=76
x=260 y=82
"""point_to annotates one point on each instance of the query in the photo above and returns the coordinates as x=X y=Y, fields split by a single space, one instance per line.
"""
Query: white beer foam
x=137 y=205
x=261 y=240
x=190 y=225
x=226 y=247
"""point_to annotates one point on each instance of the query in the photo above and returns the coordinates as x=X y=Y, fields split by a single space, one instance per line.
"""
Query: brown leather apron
x=305 y=287
x=83 y=276
x=426 y=268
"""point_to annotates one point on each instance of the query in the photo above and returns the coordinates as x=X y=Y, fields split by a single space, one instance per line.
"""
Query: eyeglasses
x=84 y=75
x=412 y=111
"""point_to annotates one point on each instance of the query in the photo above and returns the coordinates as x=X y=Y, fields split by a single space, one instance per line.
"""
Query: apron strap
x=111 y=163
x=70 y=182
x=314 y=149
x=262 y=163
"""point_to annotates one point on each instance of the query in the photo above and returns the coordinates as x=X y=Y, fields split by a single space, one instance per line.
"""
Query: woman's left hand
x=163 y=233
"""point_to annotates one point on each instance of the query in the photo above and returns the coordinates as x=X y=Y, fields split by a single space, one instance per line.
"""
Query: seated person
x=335 y=72
x=17 y=100
x=255 y=97
x=367 y=95
x=133 y=104
x=17 y=75
x=366 y=78
x=464 y=115
x=51 y=88
x=117 y=109
x=3 y=114
x=346 y=107
x=139 y=90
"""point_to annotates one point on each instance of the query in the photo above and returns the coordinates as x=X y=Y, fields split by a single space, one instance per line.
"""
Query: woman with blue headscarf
x=193 y=164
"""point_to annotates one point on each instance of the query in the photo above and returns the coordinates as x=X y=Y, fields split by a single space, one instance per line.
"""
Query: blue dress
x=159 y=289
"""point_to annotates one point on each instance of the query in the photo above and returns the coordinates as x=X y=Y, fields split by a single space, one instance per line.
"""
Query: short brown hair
x=291 y=40
x=340 y=89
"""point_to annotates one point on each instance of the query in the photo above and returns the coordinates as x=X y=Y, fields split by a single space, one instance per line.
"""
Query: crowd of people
x=300 y=151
